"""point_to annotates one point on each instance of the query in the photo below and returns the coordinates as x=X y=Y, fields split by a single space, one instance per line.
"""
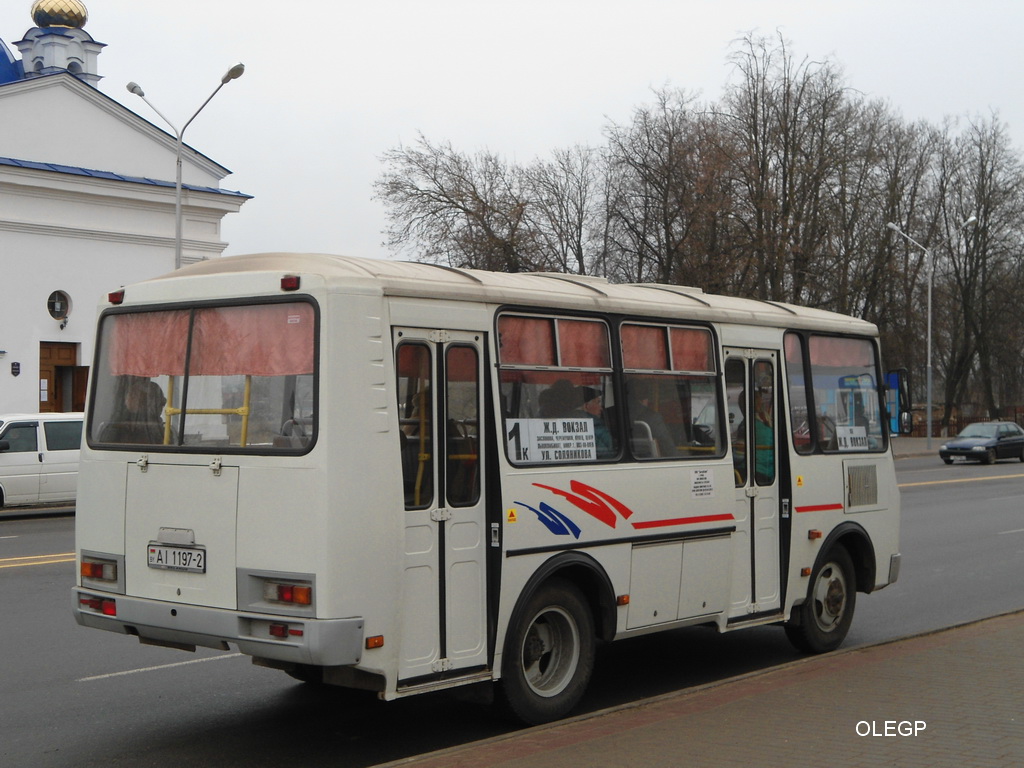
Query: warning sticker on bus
x=551 y=441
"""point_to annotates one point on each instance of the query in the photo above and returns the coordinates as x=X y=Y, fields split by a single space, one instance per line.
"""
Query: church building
x=88 y=203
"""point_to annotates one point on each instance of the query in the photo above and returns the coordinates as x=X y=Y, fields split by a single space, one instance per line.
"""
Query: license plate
x=177 y=558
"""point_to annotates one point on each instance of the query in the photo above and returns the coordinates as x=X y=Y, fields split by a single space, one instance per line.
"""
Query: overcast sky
x=327 y=90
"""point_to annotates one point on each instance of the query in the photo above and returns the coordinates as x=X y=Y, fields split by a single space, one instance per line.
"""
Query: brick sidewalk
x=961 y=689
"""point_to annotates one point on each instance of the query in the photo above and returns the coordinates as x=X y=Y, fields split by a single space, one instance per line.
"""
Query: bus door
x=750 y=378
x=440 y=401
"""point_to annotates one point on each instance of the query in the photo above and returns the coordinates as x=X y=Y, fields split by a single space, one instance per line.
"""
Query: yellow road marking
x=960 y=480
x=21 y=562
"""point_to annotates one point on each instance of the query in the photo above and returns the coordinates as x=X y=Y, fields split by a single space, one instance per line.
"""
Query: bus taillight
x=101 y=570
x=293 y=594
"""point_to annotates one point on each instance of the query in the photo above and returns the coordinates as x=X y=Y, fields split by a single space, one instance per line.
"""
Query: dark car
x=985 y=441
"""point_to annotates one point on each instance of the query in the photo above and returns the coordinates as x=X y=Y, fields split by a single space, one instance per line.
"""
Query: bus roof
x=541 y=289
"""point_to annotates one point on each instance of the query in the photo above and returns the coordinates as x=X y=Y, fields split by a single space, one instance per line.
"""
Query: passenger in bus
x=764 y=436
x=592 y=408
x=738 y=438
x=640 y=410
x=139 y=419
x=560 y=399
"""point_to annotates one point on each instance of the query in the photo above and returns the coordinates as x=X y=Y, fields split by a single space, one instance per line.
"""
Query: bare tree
x=782 y=116
x=653 y=185
x=455 y=209
x=781 y=190
x=986 y=180
x=564 y=209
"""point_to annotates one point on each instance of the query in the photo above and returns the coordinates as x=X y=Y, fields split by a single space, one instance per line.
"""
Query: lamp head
x=970 y=222
x=234 y=73
x=892 y=226
x=135 y=88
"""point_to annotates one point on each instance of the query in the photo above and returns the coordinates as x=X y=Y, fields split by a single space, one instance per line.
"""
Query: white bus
x=403 y=477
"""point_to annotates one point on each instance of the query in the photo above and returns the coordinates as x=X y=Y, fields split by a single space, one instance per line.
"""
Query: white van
x=39 y=457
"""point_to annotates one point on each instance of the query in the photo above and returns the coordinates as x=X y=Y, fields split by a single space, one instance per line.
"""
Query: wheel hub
x=835 y=596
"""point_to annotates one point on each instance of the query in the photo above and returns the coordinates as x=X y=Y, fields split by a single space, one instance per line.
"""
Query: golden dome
x=59 y=13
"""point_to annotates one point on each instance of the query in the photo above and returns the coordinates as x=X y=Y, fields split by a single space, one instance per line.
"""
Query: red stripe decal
x=820 y=508
x=682 y=521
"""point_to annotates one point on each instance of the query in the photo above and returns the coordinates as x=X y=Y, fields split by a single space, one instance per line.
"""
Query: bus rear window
x=234 y=377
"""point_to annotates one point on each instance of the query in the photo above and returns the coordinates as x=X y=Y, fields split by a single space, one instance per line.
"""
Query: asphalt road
x=78 y=697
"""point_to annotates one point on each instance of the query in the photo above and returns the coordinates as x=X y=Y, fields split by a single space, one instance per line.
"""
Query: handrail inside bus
x=243 y=411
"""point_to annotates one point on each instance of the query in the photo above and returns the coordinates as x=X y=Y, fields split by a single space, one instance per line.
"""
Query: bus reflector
x=116 y=297
x=622 y=600
x=813 y=534
x=105 y=606
x=377 y=641
x=290 y=283
x=279 y=630
x=805 y=571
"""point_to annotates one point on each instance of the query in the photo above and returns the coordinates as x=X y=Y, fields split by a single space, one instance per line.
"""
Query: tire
x=950 y=461
x=990 y=456
x=820 y=624
x=549 y=654
x=1022 y=453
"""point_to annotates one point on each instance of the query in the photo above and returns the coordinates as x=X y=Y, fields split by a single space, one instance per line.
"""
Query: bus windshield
x=231 y=377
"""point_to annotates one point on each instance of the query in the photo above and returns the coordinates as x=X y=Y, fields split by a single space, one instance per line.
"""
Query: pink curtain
x=149 y=344
x=841 y=353
x=414 y=361
x=584 y=344
x=461 y=364
x=526 y=340
x=257 y=340
x=691 y=350
x=644 y=347
x=794 y=353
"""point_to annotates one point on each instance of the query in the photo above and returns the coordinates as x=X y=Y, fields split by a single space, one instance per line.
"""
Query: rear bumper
x=320 y=642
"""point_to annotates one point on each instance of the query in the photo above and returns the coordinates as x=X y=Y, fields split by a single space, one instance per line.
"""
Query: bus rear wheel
x=820 y=624
x=549 y=654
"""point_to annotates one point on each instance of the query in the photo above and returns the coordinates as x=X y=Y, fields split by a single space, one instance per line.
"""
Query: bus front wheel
x=549 y=654
x=820 y=624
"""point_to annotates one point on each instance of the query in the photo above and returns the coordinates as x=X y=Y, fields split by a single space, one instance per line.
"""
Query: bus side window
x=416 y=419
x=671 y=395
x=555 y=367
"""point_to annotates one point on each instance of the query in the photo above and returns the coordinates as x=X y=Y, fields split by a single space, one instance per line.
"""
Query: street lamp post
x=232 y=74
x=930 y=267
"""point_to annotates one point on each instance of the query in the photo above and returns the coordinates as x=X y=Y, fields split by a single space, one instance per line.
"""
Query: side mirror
x=906 y=423
x=5 y=445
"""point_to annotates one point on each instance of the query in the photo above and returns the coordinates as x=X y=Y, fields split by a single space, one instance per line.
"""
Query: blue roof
x=10 y=68
x=110 y=175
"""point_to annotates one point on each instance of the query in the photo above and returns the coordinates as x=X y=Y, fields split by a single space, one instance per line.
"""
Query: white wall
x=85 y=235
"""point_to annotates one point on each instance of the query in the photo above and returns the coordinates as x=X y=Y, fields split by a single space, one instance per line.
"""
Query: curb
x=538 y=730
